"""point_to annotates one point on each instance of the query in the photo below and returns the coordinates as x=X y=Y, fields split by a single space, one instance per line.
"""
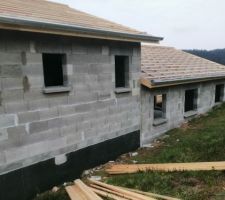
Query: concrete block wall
x=35 y=126
x=175 y=97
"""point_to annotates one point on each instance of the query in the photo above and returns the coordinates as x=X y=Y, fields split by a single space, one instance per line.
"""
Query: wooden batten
x=166 y=167
x=146 y=83
x=120 y=192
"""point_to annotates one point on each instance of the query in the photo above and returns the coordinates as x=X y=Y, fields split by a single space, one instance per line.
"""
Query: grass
x=59 y=195
x=203 y=139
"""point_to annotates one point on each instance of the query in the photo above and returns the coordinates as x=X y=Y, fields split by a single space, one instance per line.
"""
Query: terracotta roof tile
x=41 y=10
x=165 y=64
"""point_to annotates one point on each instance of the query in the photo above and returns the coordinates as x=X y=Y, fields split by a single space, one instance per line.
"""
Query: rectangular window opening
x=53 y=69
x=121 y=71
x=160 y=106
x=219 y=93
x=191 y=98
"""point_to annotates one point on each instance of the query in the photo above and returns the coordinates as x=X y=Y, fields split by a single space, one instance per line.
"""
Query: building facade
x=176 y=86
x=70 y=94
x=78 y=91
x=171 y=112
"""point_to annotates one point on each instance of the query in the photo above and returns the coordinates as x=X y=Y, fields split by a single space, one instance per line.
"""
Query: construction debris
x=152 y=194
x=167 y=167
x=80 y=191
x=55 y=189
x=116 y=191
x=133 y=154
x=96 y=178
x=119 y=193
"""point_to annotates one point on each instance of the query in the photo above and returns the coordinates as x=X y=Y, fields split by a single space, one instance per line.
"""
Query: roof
x=164 y=66
x=45 y=16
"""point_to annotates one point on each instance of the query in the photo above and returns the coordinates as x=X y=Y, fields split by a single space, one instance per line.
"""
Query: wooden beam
x=151 y=194
x=146 y=83
x=106 y=194
x=80 y=191
x=88 y=193
x=167 y=167
x=118 y=191
x=74 y=193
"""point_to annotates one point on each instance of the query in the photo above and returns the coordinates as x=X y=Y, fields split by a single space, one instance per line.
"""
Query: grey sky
x=184 y=24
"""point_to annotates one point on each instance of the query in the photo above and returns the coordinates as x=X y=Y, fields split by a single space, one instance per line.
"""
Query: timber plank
x=167 y=167
x=116 y=190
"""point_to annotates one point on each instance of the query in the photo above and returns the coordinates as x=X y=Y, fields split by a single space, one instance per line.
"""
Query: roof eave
x=165 y=83
x=86 y=32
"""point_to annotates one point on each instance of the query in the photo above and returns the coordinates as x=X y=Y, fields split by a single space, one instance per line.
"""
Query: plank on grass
x=116 y=190
x=167 y=167
x=106 y=194
x=108 y=191
x=74 y=193
x=88 y=193
x=151 y=194
x=80 y=191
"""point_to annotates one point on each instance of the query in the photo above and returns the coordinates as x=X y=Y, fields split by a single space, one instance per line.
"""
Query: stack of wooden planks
x=80 y=191
x=168 y=167
x=96 y=190
x=118 y=193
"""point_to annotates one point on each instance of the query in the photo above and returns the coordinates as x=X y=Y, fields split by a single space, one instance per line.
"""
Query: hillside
x=217 y=55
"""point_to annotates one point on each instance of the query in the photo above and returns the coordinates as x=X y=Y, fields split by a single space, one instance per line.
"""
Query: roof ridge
x=157 y=46
x=201 y=57
x=53 y=2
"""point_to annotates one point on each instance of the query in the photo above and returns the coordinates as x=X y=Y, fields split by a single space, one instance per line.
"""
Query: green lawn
x=203 y=139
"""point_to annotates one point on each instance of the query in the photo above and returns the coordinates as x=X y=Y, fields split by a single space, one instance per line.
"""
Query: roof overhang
x=32 y=25
x=166 y=83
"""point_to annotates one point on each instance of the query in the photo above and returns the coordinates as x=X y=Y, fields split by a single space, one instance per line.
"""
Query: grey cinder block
x=3 y=134
x=105 y=50
x=58 y=100
x=79 y=49
x=95 y=49
x=33 y=58
x=18 y=44
x=16 y=131
x=10 y=58
x=7 y=120
x=13 y=95
x=34 y=94
x=33 y=70
x=2 y=158
x=55 y=123
x=38 y=104
x=81 y=59
x=66 y=110
x=82 y=108
x=16 y=107
x=73 y=139
x=15 y=135
x=8 y=71
x=28 y=117
x=48 y=113
x=16 y=154
x=12 y=83
x=36 y=127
